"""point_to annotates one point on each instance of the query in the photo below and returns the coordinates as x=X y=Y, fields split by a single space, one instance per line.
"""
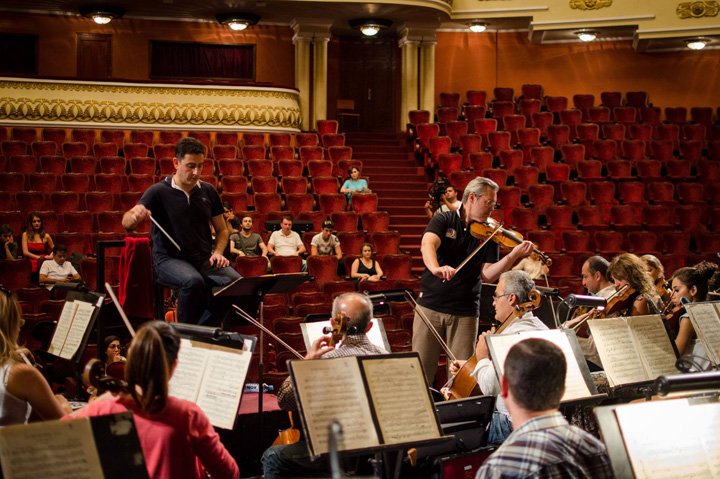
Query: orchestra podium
x=257 y=287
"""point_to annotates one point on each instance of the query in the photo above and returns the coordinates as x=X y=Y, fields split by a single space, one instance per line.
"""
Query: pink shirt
x=175 y=441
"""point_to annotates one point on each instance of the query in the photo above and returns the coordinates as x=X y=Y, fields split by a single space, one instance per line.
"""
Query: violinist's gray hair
x=518 y=283
x=357 y=307
x=479 y=186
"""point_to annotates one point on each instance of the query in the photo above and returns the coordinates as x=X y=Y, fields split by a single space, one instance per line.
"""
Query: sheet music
x=575 y=386
x=400 y=420
x=62 y=327
x=185 y=382
x=617 y=350
x=77 y=330
x=313 y=330
x=222 y=385
x=706 y=321
x=707 y=419
x=56 y=449
x=653 y=343
x=333 y=389
x=660 y=441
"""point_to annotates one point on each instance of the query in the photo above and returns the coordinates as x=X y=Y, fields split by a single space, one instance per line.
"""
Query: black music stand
x=258 y=287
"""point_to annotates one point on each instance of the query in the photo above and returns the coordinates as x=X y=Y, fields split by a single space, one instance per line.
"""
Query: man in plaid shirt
x=543 y=444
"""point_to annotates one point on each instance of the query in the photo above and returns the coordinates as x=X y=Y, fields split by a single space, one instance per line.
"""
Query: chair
x=113 y=165
x=543 y=239
x=234 y=184
x=438 y=145
x=253 y=152
x=299 y=202
x=460 y=179
x=415 y=117
x=661 y=192
x=528 y=107
x=142 y=166
x=99 y=201
x=15 y=275
x=115 y=184
x=472 y=113
x=345 y=220
x=541 y=156
x=449 y=162
x=590 y=170
x=142 y=136
x=56 y=135
x=260 y=167
x=524 y=220
x=662 y=150
x=599 y=114
x=708 y=171
x=77 y=222
x=508 y=197
x=166 y=166
x=169 y=137
x=28 y=201
x=306 y=139
x=264 y=184
x=632 y=193
x=57 y=165
x=541 y=196
x=73 y=149
x=251 y=266
x=691 y=150
x=455 y=129
x=373 y=221
x=572 y=154
x=231 y=167
x=556 y=173
x=481 y=161
x=526 y=176
x=619 y=170
x=558 y=135
x=576 y=241
x=656 y=218
x=325 y=185
x=679 y=170
x=386 y=242
x=110 y=222
x=333 y=139
x=602 y=193
x=44 y=148
x=605 y=150
x=528 y=138
x=323 y=268
x=83 y=136
x=498 y=141
x=319 y=168
x=77 y=182
x=510 y=160
x=691 y=193
x=476 y=97
x=676 y=243
x=331 y=202
x=267 y=202
x=642 y=242
x=500 y=109
x=676 y=115
x=278 y=153
x=14 y=148
x=542 y=121
x=362 y=203
x=290 y=168
x=238 y=200
x=573 y=193
x=669 y=132
x=293 y=184
x=350 y=242
x=397 y=266
x=225 y=152
x=286 y=264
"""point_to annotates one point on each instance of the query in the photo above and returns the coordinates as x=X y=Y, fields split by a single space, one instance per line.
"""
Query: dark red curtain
x=202 y=61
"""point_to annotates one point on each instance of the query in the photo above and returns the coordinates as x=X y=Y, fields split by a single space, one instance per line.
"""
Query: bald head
x=357 y=307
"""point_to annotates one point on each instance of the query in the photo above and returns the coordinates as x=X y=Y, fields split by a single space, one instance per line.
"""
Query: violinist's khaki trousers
x=458 y=332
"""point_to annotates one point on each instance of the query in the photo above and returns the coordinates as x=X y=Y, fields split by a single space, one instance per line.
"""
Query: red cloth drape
x=136 y=278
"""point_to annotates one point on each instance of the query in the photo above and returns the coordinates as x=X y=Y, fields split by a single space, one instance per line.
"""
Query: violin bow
x=120 y=310
x=246 y=316
x=465 y=261
x=413 y=303
x=587 y=315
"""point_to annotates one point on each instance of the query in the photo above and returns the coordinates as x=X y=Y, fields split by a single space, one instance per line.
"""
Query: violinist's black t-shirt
x=461 y=295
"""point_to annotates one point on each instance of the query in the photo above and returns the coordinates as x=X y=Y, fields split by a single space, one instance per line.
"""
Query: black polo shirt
x=461 y=295
x=188 y=222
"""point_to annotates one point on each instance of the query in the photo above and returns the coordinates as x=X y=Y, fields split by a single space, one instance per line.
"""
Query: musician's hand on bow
x=319 y=347
x=446 y=273
x=481 y=349
x=456 y=366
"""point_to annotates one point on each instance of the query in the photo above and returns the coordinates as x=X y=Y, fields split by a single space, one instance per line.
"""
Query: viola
x=533 y=303
x=504 y=237
x=338 y=329
x=94 y=375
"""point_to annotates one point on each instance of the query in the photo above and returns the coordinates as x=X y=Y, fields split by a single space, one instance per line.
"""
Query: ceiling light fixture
x=102 y=14
x=237 y=21
x=587 y=35
x=370 y=26
x=478 y=27
x=696 y=43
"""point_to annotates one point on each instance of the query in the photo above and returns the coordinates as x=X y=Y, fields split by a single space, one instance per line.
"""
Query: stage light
x=587 y=35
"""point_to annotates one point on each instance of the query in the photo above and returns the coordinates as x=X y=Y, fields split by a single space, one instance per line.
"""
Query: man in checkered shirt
x=543 y=444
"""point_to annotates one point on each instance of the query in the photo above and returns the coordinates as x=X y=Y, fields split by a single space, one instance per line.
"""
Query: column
x=302 y=76
x=427 y=75
x=320 y=45
x=409 y=99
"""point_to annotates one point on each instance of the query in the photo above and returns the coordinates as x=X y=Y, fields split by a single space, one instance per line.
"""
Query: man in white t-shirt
x=327 y=244
x=286 y=242
x=449 y=201
x=57 y=270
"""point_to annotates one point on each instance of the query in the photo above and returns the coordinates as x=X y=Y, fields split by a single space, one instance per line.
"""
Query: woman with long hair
x=628 y=269
x=36 y=242
x=365 y=268
x=176 y=437
x=692 y=284
x=24 y=393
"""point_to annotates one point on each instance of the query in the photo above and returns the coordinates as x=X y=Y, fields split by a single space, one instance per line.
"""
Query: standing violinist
x=452 y=303
x=628 y=269
x=513 y=289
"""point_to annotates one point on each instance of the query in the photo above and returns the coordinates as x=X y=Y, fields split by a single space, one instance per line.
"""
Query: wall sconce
x=587 y=35
x=237 y=21
x=370 y=26
x=477 y=27
x=697 y=43
x=102 y=14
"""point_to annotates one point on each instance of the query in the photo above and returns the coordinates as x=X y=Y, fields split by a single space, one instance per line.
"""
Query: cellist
x=512 y=290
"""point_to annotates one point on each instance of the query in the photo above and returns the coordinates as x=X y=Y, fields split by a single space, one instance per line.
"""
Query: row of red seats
x=610 y=99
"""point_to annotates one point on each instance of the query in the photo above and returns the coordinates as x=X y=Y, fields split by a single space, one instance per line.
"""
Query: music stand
x=258 y=287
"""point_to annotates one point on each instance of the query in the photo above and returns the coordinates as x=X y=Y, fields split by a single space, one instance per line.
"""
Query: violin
x=504 y=237
x=663 y=289
x=618 y=303
x=672 y=313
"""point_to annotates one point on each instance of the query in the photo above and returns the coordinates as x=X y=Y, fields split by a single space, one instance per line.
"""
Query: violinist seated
x=693 y=285
x=657 y=273
x=512 y=290
x=292 y=460
x=639 y=297
x=175 y=435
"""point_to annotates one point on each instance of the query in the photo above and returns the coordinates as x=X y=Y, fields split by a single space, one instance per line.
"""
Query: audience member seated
x=532 y=266
x=58 y=270
x=286 y=242
x=327 y=244
x=692 y=284
x=9 y=246
x=542 y=444
x=354 y=184
x=449 y=200
x=36 y=243
x=628 y=269
x=176 y=436
x=247 y=243
x=232 y=224
x=365 y=268
x=24 y=393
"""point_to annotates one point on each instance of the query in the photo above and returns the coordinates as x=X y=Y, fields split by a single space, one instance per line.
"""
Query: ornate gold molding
x=126 y=104
x=698 y=9
x=589 y=4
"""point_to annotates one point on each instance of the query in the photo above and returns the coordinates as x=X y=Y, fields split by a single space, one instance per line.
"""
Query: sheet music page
x=185 y=382
x=400 y=420
x=78 y=327
x=62 y=328
x=660 y=442
x=222 y=385
x=617 y=351
x=314 y=331
x=56 y=449
x=707 y=419
x=575 y=386
x=334 y=389
x=706 y=321
x=653 y=343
